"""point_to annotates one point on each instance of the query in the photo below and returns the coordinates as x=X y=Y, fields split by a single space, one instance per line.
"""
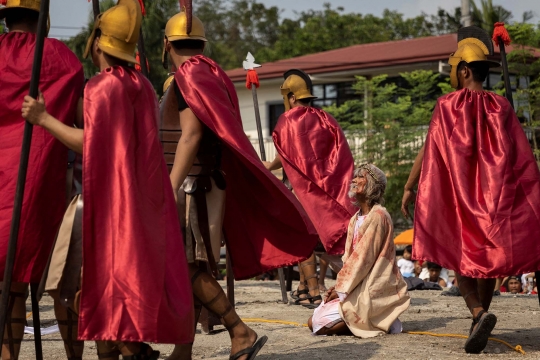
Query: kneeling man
x=370 y=293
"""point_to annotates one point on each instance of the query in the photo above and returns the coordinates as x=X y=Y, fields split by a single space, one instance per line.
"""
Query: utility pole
x=466 y=13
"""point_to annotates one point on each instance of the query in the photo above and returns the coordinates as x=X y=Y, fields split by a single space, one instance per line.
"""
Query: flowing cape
x=319 y=164
x=265 y=226
x=377 y=293
x=478 y=204
x=135 y=283
x=44 y=202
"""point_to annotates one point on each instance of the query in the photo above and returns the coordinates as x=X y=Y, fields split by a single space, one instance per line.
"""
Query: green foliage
x=522 y=61
x=336 y=29
x=237 y=27
x=387 y=126
x=486 y=15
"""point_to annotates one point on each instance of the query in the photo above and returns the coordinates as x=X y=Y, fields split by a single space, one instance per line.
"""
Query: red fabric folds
x=135 y=277
x=478 y=204
x=61 y=82
x=319 y=164
x=265 y=225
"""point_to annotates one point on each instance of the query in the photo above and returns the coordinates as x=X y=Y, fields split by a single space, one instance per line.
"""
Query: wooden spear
x=19 y=192
x=252 y=82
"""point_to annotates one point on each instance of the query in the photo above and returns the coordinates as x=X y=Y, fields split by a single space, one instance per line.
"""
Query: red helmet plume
x=187 y=6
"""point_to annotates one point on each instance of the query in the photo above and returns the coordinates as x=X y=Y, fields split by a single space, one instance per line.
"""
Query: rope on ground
x=517 y=348
x=257 y=320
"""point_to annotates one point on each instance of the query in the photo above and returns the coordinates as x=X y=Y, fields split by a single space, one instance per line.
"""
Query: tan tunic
x=377 y=294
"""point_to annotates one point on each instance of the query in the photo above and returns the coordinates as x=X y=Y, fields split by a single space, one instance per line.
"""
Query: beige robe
x=377 y=294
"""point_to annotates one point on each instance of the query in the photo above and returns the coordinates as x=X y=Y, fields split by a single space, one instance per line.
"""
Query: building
x=333 y=73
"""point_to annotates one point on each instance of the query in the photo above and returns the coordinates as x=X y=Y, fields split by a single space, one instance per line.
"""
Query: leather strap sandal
x=479 y=336
x=146 y=353
x=295 y=294
x=251 y=351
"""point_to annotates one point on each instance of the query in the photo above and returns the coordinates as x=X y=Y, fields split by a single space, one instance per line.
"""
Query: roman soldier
x=313 y=151
x=61 y=81
x=477 y=170
x=134 y=286
x=228 y=195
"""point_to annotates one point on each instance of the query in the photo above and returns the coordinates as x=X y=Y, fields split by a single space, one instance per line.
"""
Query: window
x=274 y=112
x=329 y=94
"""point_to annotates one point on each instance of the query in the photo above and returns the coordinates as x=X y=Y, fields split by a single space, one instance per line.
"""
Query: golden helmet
x=183 y=26
x=24 y=4
x=474 y=45
x=298 y=83
x=120 y=26
x=168 y=83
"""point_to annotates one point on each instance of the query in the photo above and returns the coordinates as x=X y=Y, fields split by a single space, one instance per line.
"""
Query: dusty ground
x=519 y=323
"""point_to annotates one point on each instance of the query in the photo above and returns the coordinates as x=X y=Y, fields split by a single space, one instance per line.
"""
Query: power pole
x=466 y=19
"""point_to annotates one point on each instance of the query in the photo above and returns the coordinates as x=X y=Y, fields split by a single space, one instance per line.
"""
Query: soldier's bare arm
x=274 y=165
x=34 y=112
x=188 y=145
x=414 y=176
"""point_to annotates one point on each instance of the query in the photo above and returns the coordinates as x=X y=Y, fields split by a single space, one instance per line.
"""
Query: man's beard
x=352 y=190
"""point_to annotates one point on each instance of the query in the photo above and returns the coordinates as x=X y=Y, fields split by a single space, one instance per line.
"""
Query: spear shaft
x=21 y=182
x=506 y=74
x=281 y=273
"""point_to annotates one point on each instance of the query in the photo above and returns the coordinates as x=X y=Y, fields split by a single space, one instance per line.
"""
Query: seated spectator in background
x=435 y=274
x=370 y=292
x=405 y=265
x=528 y=282
x=417 y=268
x=443 y=275
x=512 y=284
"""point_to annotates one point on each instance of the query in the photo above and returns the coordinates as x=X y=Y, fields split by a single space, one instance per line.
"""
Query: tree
x=387 y=126
x=237 y=27
x=336 y=29
x=487 y=15
x=527 y=67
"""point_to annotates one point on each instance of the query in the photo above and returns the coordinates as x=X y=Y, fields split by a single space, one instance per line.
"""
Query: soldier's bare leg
x=478 y=304
x=68 y=323
x=15 y=321
x=309 y=269
x=210 y=294
x=323 y=264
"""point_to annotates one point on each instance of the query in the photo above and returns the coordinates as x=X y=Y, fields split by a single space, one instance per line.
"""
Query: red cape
x=319 y=164
x=61 y=82
x=135 y=278
x=478 y=205
x=265 y=225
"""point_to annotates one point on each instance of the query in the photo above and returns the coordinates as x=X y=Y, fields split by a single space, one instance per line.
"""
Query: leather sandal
x=146 y=353
x=251 y=351
x=479 y=336
x=299 y=292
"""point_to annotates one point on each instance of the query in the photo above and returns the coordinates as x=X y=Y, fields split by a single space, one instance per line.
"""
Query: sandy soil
x=519 y=323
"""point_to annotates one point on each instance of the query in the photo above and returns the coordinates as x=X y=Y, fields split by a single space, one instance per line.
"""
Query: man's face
x=358 y=184
x=434 y=274
x=406 y=255
x=514 y=286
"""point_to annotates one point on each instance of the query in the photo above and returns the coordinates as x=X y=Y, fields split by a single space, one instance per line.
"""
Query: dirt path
x=519 y=323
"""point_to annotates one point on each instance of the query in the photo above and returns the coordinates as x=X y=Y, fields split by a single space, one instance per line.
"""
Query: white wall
x=268 y=92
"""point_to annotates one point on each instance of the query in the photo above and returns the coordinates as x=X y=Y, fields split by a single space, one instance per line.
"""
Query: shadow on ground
x=427 y=324
x=359 y=350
